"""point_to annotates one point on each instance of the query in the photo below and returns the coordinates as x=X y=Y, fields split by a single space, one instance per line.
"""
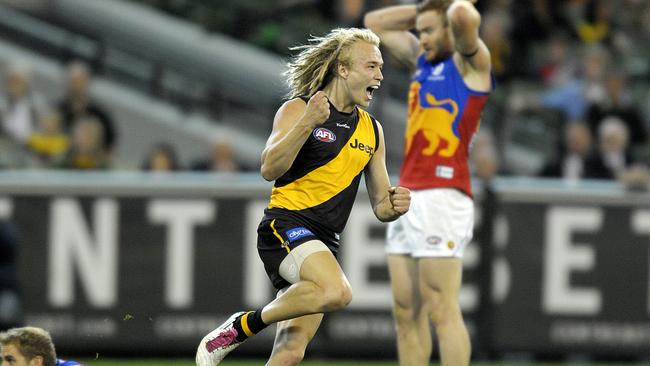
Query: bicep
x=402 y=45
x=465 y=22
x=285 y=118
x=481 y=61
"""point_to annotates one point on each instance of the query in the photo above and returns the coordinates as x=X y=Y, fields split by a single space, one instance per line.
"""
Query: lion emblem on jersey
x=436 y=123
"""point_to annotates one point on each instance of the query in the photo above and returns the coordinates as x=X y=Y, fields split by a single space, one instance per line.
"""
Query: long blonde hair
x=315 y=66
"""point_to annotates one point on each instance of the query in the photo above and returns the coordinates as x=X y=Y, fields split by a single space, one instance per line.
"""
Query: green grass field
x=186 y=362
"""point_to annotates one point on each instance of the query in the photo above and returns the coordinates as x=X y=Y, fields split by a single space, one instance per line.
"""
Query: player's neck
x=339 y=96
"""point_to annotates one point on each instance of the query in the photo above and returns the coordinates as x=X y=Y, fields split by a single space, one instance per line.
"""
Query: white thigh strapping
x=290 y=265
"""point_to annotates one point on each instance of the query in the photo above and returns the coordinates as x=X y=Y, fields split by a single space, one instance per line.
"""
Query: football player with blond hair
x=322 y=142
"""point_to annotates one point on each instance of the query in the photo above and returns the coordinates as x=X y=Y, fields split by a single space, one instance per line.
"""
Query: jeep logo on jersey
x=325 y=135
x=370 y=150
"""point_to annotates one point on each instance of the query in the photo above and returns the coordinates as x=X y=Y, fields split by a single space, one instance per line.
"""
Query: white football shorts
x=439 y=223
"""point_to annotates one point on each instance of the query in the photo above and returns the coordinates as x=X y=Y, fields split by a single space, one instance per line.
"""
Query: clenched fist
x=318 y=109
x=400 y=198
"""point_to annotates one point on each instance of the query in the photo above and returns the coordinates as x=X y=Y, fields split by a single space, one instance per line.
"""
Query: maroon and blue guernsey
x=443 y=116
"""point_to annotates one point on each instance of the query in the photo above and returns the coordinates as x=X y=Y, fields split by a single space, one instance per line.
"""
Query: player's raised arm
x=293 y=123
x=392 y=25
x=465 y=21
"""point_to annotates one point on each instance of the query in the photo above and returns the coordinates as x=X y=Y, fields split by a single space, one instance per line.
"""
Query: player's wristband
x=469 y=55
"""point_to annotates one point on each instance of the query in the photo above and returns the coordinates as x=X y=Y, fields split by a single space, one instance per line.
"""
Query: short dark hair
x=439 y=6
x=31 y=342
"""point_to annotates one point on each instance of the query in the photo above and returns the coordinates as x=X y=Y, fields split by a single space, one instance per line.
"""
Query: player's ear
x=342 y=70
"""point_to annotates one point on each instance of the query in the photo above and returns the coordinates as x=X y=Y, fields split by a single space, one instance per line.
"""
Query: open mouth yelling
x=371 y=89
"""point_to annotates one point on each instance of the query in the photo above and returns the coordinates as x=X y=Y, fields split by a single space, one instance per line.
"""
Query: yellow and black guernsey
x=313 y=199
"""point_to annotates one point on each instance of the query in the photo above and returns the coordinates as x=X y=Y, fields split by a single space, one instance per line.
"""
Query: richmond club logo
x=325 y=135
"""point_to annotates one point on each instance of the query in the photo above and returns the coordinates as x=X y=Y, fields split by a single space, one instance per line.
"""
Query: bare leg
x=292 y=338
x=440 y=281
x=323 y=287
x=411 y=318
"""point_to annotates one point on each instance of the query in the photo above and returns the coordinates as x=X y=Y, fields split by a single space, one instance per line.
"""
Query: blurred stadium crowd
x=75 y=132
x=573 y=95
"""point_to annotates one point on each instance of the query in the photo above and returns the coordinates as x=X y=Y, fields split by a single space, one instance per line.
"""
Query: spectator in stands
x=618 y=103
x=612 y=156
x=30 y=346
x=49 y=143
x=592 y=20
x=77 y=103
x=534 y=22
x=569 y=164
x=636 y=177
x=221 y=159
x=87 y=151
x=574 y=96
x=161 y=158
x=558 y=66
x=20 y=107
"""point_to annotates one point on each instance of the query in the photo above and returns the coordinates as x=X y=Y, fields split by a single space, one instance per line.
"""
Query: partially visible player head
x=433 y=29
x=350 y=56
x=28 y=346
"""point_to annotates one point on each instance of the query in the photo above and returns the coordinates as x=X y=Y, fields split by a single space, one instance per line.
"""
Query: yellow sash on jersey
x=326 y=181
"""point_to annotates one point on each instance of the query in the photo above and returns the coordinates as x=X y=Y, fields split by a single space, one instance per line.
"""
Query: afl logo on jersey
x=436 y=73
x=325 y=135
x=438 y=69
